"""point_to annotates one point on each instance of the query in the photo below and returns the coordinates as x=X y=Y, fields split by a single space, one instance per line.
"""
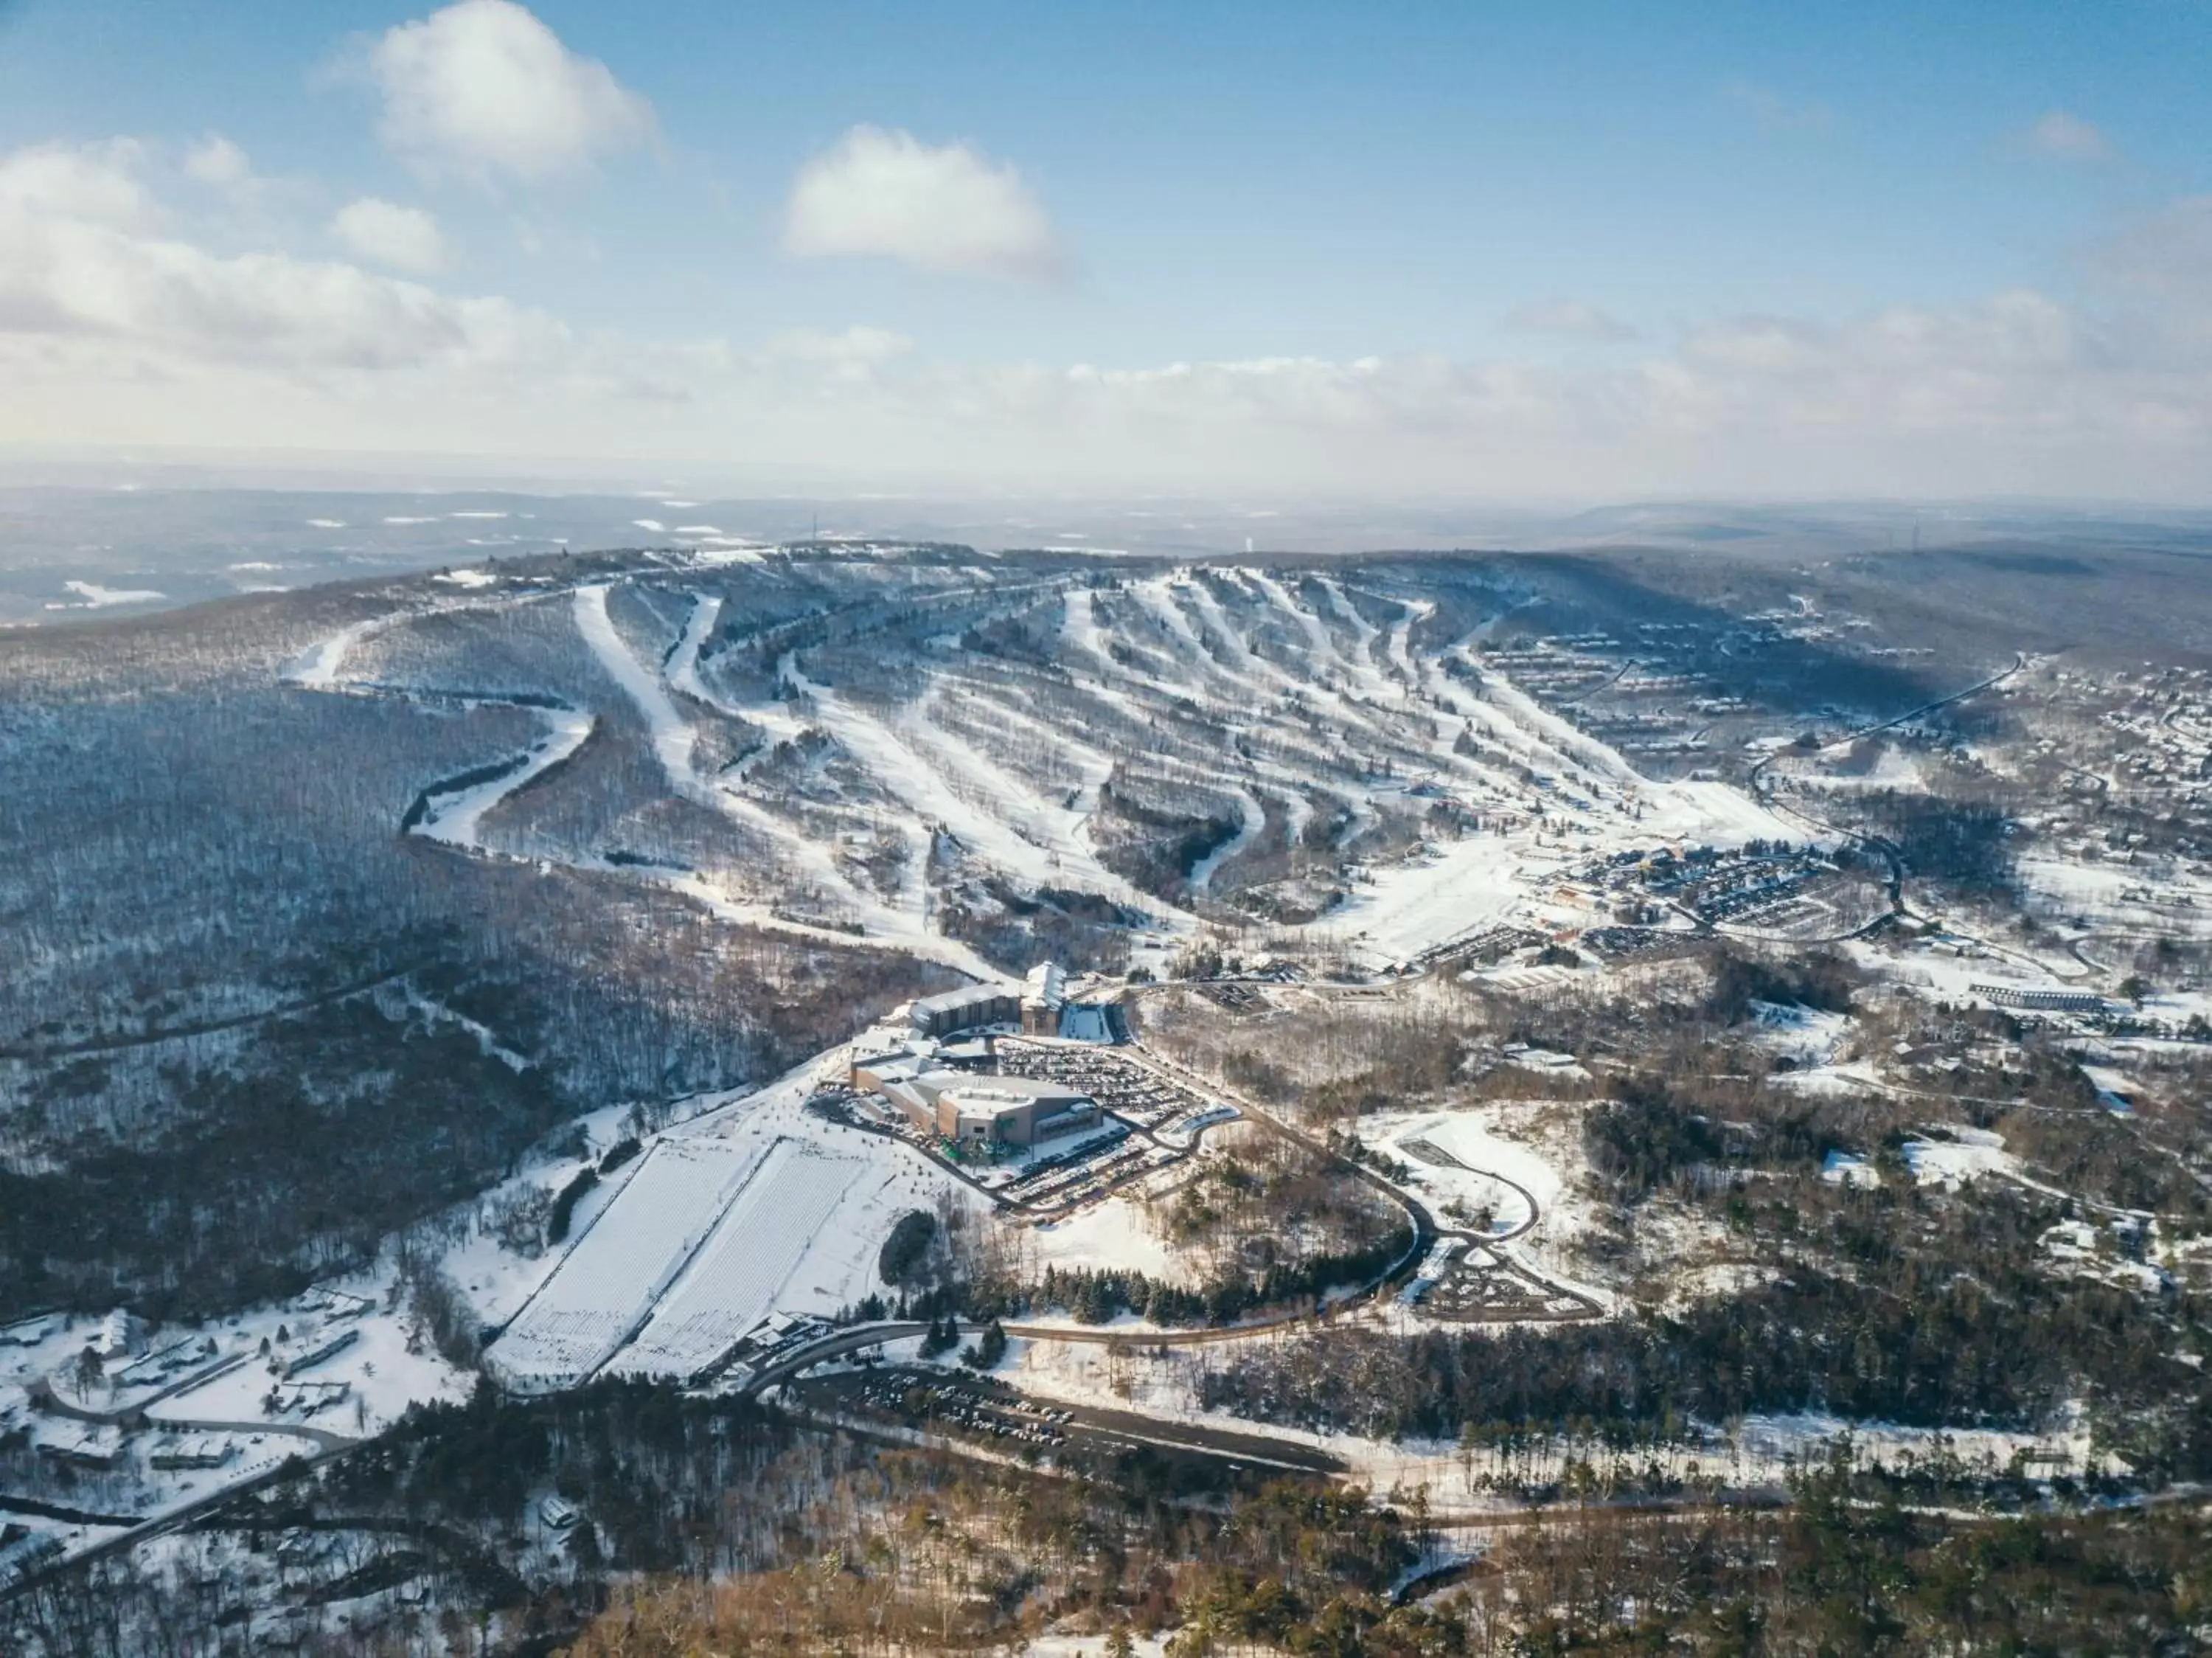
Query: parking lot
x=987 y=1411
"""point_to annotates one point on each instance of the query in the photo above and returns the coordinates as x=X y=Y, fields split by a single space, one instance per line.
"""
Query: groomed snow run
x=759 y=1243
x=457 y=819
x=615 y=1272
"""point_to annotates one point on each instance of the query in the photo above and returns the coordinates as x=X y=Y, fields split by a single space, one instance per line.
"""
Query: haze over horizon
x=1635 y=252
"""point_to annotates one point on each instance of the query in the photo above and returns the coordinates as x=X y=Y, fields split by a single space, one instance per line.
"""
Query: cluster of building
x=1040 y=1008
x=939 y=1072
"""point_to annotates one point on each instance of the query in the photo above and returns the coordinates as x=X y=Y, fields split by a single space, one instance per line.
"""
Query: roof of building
x=1046 y=984
x=967 y=996
x=992 y=1092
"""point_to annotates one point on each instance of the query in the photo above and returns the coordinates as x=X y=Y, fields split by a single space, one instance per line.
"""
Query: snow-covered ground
x=1491 y=1174
x=1762 y=1450
x=739 y=1274
x=90 y=595
x=1407 y=907
x=1114 y=1234
x=608 y=1282
x=457 y=819
x=1968 y=1154
x=1807 y=1036
x=753 y=1206
x=1300 y=704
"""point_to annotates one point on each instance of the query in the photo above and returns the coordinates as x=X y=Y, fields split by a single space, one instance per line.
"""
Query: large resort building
x=975 y=1109
x=972 y=1110
x=975 y=1008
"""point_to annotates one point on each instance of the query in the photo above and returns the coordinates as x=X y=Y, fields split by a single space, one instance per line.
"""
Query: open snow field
x=754 y=1207
x=1114 y=1234
x=757 y=1245
x=604 y=1289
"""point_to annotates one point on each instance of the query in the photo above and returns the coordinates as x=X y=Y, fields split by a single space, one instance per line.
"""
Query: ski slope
x=968 y=742
x=607 y=1284
x=761 y=1240
x=456 y=818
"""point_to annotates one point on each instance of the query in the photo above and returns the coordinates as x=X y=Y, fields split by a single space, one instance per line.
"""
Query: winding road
x=1427 y=1234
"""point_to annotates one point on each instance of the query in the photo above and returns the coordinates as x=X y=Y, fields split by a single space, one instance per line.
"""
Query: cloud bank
x=119 y=323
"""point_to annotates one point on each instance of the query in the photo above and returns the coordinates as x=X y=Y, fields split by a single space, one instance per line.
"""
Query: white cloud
x=1572 y=319
x=940 y=207
x=93 y=184
x=116 y=326
x=2059 y=136
x=384 y=233
x=484 y=91
x=215 y=160
x=84 y=263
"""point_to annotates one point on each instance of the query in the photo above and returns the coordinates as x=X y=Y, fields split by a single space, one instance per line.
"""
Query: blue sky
x=1567 y=250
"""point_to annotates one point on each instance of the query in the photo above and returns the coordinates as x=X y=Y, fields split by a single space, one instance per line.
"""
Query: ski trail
x=1065 y=829
x=1562 y=736
x=684 y=661
x=456 y=818
x=1322 y=648
x=683 y=675
x=673 y=742
x=1322 y=656
x=1402 y=653
x=1363 y=635
x=1158 y=597
x=1254 y=667
x=318 y=666
x=900 y=761
x=1079 y=626
x=1498 y=725
x=673 y=739
x=1253 y=819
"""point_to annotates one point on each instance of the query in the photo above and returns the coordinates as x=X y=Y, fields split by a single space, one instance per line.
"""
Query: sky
x=1552 y=252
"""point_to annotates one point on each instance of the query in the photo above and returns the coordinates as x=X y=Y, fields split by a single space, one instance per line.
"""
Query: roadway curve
x=1427 y=1232
x=1765 y=794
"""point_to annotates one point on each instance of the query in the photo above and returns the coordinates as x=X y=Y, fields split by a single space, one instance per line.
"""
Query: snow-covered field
x=755 y=1206
x=607 y=1284
x=1114 y=1234
x=1966 y=1155
x=734 y=1281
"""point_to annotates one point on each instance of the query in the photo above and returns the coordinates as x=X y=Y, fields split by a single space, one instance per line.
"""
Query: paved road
x=1873 y=842
x=1426 y=1233
x=321 y=1438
